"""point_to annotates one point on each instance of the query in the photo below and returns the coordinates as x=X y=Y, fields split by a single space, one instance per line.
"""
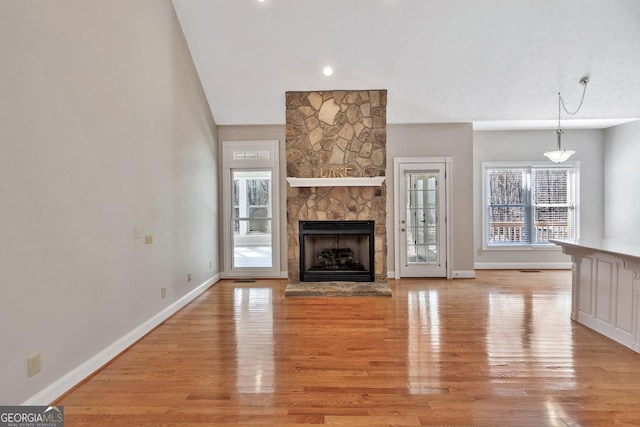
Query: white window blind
x=553 y=204
x=529 y=205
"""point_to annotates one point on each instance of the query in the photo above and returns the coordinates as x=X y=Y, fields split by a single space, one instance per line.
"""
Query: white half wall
x=503 y=146
x=104 y=130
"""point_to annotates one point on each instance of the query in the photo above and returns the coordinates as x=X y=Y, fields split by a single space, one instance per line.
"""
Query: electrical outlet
x=33 y=365
x=148 y=239
x=188 y=277
x=210 y=265
x=163 y=292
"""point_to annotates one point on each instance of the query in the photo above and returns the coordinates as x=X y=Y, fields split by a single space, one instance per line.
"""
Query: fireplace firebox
x=340 y=251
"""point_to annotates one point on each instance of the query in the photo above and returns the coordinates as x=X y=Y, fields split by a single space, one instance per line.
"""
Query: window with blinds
x=528 y=205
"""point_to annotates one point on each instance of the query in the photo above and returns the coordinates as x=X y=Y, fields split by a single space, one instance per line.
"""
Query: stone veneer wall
x=328 y=131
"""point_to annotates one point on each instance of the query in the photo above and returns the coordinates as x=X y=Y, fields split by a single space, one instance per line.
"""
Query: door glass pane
x=251 y=218
x=422 y=223
x=258 y=205
x=236 y=204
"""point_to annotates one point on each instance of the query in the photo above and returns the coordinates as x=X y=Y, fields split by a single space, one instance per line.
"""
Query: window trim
x=524 y=164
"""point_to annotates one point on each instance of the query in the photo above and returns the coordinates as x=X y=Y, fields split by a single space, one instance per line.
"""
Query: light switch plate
x=33 y=365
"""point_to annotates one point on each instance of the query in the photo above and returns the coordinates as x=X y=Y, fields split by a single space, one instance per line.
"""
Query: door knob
x=402 y=229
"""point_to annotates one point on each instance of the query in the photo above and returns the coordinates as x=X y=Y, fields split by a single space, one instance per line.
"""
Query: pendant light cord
x=584 y=82
x=561 y=155
x=559 y=104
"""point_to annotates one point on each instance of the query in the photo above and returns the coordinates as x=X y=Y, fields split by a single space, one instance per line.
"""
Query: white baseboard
x=522 y=265
x=76 y=375
x=458 y=274
x=252 y=275
x=464 y=274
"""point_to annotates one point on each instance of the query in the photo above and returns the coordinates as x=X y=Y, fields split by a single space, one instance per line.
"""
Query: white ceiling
x=497 y=63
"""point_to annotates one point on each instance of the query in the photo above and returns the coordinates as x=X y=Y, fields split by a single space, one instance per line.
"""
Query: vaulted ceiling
x=497 y=63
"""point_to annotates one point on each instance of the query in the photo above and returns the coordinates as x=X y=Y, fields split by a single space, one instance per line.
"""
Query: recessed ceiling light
x=327 y=71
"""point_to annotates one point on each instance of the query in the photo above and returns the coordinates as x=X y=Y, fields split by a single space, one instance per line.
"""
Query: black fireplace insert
x=337 y=251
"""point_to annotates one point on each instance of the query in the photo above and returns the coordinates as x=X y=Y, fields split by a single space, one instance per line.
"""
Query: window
x=530 y=204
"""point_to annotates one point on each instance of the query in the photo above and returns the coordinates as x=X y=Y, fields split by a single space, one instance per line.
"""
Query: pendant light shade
x=559 y=155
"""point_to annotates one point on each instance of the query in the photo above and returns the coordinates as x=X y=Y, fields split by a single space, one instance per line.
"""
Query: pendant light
x=559 y=155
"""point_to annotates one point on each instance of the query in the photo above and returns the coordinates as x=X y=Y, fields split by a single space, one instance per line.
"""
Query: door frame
x=397 y=162
x=229 y=164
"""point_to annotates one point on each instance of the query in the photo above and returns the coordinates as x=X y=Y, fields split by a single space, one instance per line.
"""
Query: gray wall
x=262 y=133
x=438 y=140
x=432 y=140
x=622 y=183
x=499 y=146
x=104 y=126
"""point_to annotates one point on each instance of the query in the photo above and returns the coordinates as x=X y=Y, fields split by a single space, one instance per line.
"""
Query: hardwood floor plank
x=373 y=420
x=497 y=350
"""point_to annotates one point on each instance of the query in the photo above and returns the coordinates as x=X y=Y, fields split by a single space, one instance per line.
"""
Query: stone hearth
x=337 y=289
x=336 y=134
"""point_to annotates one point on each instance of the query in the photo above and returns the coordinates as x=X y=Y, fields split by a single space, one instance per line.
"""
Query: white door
x=421 y=225
x=250 y=209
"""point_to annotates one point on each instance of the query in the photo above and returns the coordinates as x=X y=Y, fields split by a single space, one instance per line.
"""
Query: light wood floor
x=497 y=350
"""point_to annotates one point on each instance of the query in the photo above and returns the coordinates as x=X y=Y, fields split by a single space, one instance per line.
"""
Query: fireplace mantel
x=370 y=181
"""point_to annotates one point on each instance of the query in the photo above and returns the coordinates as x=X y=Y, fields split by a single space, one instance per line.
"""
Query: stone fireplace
x=336 y=134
